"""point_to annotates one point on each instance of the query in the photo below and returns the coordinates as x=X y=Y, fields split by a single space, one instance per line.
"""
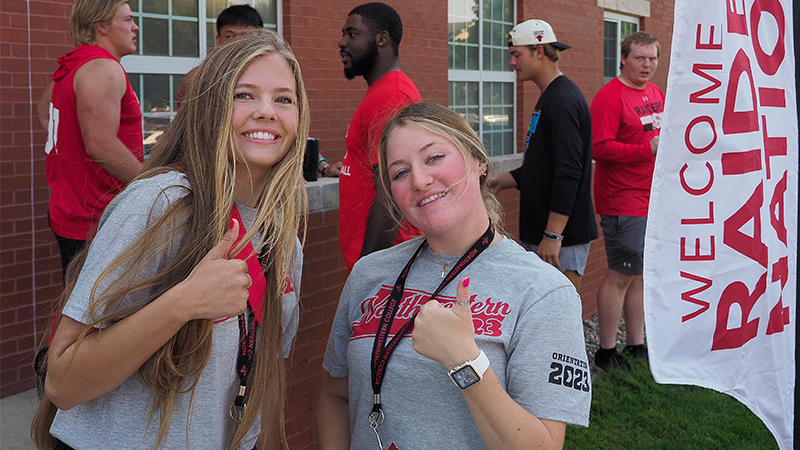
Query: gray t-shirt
x=527 y=320
x=120 y=418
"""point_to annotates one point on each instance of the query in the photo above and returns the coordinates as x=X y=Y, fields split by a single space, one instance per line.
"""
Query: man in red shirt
x=626 y=122
x=94 y=145
x=369 y=48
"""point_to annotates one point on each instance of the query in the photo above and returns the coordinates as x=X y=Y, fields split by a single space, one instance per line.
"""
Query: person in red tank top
x=94 y=122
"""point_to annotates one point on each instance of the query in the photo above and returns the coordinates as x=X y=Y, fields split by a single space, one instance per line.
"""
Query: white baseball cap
x=535 y=32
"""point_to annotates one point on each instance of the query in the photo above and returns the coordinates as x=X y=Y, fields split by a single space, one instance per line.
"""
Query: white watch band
x=480 y=364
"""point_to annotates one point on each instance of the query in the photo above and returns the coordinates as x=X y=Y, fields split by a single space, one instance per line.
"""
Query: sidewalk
x=16 y=413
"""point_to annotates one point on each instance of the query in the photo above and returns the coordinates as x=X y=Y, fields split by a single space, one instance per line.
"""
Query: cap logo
x=539 y=35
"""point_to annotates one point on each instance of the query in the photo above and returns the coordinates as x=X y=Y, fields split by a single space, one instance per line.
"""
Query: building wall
x=34 y=33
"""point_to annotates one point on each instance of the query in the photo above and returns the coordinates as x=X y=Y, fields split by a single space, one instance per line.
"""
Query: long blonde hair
x=199 y=144
x=448 y=124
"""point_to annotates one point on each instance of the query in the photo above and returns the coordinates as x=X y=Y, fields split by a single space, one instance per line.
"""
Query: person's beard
x=362 y=65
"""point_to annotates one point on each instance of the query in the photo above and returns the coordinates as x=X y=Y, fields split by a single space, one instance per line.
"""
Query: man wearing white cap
x=556 y=217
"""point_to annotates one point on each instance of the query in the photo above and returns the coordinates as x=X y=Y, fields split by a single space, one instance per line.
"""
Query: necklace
x=444 y=263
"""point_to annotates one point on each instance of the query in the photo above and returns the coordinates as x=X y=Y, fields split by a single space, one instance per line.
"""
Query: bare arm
x=446 y=335
x=217 y=287
x=500 y=182
x=381 y=226
x=548 y=249
x=329 y=169
x=333 y=415
x=43 y=107
x=99 y=88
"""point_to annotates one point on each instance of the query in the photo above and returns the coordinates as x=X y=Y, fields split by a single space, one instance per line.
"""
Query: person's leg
x=68 y=249
x=633 y=310
x=610 y=301
x=575 y=278
x=573 y=262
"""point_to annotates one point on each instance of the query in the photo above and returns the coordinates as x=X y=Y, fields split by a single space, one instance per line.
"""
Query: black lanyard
x=380 y=352
x=244 y=361
x=247 y=351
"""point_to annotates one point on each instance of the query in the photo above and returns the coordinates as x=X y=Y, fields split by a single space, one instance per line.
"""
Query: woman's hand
x=447 y=335
x=217 y=286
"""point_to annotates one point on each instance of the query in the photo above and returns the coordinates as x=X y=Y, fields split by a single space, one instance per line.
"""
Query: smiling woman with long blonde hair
x=177 y=317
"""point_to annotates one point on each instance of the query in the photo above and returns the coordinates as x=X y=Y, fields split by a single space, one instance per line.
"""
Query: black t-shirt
x=556 y=173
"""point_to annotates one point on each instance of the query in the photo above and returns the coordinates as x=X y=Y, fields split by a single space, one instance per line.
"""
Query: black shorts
x=624 y=239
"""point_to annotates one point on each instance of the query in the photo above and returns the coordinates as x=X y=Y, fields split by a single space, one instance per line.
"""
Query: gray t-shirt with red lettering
x=121 y=418
x=527 y=320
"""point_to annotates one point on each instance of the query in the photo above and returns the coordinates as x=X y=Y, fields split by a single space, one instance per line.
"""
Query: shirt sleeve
x=335 y=361
x=568 y=145
x=547 y=372
x=607 y=115
x=123 y=223
x=291 y=300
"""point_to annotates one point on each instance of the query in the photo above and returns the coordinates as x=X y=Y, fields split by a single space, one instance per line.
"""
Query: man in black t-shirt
x=556 y=218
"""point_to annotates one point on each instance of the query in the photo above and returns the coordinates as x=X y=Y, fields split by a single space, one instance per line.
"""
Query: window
x=481 y=81
x=173 y=36
x=616 y=27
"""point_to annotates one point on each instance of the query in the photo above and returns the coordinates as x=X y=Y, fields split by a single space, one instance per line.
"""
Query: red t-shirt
x=383 y=99
x=624 y=120
x=80 y=188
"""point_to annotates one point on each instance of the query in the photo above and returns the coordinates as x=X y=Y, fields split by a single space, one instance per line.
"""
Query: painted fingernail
x=231 y=225
x=466 y=282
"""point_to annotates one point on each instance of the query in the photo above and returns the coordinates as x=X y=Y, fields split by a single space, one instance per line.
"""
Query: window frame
x=618 y=18
x=180 y=65
x=139 y=66
x=481 y=76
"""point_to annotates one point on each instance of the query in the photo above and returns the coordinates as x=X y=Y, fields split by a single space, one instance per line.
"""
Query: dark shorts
x=573 y=257
x=68 y=249
x=624 y=238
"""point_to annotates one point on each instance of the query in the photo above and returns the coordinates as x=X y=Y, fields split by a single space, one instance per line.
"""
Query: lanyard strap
x=256 y=269
x=244 y=361
x=380 y=352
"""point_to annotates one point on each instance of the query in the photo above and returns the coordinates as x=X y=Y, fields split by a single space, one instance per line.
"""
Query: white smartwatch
x=466 y=374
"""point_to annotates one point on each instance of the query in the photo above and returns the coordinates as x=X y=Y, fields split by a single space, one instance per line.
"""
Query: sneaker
x=636 y=351
x=609 y=359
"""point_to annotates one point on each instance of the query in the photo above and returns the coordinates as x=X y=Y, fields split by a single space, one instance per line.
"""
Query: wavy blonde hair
x=448 y=124
x=199 y=144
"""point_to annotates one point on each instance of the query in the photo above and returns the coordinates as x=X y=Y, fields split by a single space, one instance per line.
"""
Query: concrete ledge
x=323 y=194
x=505 y=163
x=639 y=8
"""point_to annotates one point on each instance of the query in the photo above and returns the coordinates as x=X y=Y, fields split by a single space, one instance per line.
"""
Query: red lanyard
x=258 y=287
x=381 y=353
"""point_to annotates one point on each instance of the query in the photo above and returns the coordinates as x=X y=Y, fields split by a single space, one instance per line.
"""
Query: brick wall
x=314 y=29
x=32 y=36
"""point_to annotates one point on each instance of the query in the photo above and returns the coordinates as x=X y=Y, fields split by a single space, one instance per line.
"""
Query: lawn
x=631 y=411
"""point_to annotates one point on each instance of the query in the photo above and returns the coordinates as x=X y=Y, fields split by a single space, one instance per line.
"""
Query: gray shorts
x=569 y=258
x=624 y=237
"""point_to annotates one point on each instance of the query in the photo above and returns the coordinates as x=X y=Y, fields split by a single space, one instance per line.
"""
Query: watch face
x=466 y=377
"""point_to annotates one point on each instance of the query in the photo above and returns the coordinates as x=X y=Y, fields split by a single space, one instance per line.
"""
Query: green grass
x=631 y=411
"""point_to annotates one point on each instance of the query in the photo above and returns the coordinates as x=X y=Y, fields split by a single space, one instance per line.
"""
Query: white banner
x=721 y=249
